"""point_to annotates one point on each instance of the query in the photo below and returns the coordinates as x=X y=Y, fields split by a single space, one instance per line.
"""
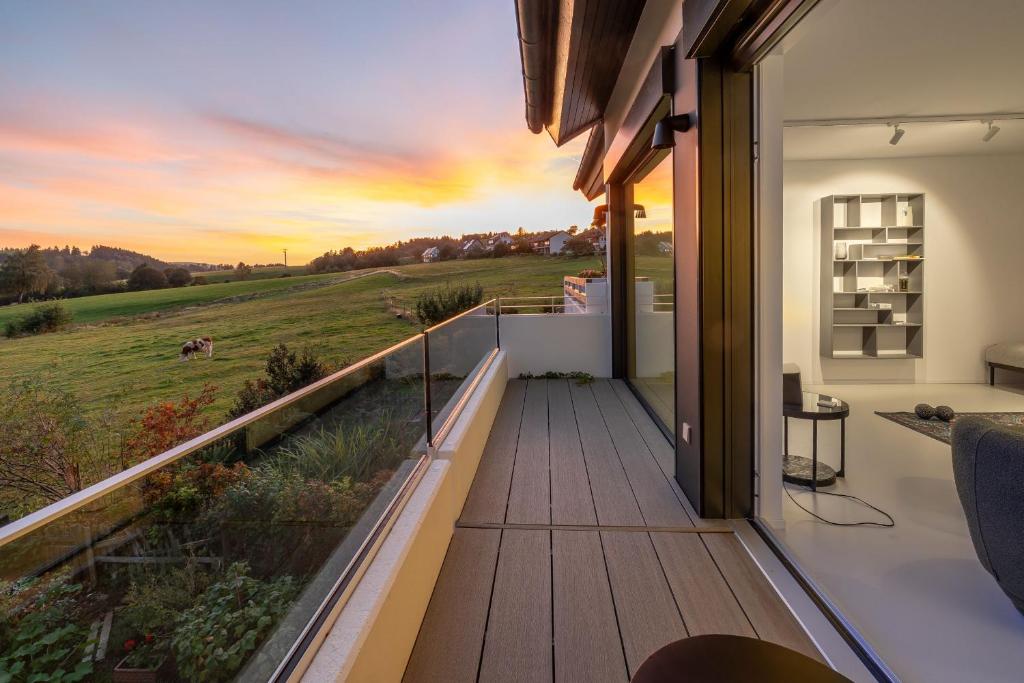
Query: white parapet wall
x=557 y=342
x=375 y=631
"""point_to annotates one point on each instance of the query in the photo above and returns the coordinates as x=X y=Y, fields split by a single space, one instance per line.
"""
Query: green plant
x=39 y=639
x=348 y=451
x=440 y=304
x=213 y=639
x=580 y=377
x=285 y=372
x=42 y=319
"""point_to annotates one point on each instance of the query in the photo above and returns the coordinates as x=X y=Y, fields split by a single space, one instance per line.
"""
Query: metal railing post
x=497 y=322
x=426 y=390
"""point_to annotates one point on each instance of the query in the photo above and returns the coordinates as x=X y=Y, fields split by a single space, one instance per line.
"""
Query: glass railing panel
x=211 y=561
x=459 y=349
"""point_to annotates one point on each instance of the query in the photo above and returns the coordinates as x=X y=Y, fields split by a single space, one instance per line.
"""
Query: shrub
x=167 y=424
x=47 y=449
x=146 y=277
x=178 y=277
x=42 y=319
x=440 y=304
x=349 y=452
x=215 y=638
x=284 y=372
x=39 y=640
x=578 y=246
x=169 y=492
x=580 y=377
x=590 y=273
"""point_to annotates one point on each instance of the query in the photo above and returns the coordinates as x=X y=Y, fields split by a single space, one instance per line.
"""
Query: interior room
x=902 y=175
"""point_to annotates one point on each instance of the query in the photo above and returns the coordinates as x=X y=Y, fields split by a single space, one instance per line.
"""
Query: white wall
x=974 y=274
x=557 y=342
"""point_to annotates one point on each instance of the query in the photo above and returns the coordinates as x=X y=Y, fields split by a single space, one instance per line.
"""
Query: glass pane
x=652 y=338
x=209 y=567
x=458 y=349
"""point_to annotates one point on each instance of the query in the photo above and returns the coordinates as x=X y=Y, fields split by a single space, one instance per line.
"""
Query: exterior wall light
x=991 y=132
x=664 y=130
x=897 y=134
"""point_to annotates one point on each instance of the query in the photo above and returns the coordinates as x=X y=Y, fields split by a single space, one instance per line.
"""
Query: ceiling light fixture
x=897 y=134
x=991 y=133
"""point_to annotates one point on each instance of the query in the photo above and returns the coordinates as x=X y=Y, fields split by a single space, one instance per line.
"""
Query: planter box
x=122 y=674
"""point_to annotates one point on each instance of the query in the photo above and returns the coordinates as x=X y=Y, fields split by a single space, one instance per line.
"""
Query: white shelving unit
x=884 y=266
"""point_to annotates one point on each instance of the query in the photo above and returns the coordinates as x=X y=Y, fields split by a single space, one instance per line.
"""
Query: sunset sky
x=225 y=131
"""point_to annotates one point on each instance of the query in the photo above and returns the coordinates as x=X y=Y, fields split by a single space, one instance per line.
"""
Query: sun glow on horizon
x=212 y=165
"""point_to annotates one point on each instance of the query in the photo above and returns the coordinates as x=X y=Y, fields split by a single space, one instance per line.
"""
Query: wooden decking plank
x=647 y=613
x=701 y=592
x=529 y=499
x=613 y=497
x=488 y=496
x=657 y=501
x=571 y=501
x=587 y=645
x=769 y=616
x=457 y=614
x=518 y=643
x=651 y=434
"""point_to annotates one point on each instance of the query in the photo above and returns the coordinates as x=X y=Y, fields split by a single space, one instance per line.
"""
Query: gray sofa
x=988 y=466
x=1008 y=356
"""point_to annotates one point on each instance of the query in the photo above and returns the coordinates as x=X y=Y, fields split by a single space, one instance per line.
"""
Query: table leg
x=814 y=456
x=785 y=433
x=842 y=448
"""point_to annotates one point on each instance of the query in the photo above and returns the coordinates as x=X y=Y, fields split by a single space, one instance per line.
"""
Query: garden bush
x=213 y=639
x=440 y=304
x=42 y=319
x=284 y=372
x=348 y=451
x=39 y=639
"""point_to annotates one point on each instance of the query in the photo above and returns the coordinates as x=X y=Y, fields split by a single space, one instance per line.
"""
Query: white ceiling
x=892 y=58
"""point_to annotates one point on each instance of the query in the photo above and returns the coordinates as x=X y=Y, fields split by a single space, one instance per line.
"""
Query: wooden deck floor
x=576 y=556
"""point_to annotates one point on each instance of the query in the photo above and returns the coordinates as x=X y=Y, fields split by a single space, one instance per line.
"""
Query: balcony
x=576 y=556
x=424 y=513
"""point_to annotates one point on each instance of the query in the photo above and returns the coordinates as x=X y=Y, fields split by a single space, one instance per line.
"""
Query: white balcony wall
x=555 y=342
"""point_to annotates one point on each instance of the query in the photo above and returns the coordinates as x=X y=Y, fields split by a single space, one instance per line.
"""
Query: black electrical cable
x=885 y=525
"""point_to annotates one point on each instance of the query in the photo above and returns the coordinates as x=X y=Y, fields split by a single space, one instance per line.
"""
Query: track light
x=991 y=133
x=897 y=134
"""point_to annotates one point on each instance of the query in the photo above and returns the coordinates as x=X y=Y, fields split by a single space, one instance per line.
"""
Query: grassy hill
x=131 y=361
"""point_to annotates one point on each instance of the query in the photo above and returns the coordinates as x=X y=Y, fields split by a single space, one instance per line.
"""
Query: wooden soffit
x=572 y=52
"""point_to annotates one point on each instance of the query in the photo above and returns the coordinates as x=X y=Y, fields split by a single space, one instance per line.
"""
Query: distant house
x=470 y=247
x=500 y=238
x=550 y=243
x=664 y=247
x=431 y=255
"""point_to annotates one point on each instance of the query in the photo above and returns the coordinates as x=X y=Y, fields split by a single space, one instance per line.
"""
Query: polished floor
x=576 y=556
x=917 y=591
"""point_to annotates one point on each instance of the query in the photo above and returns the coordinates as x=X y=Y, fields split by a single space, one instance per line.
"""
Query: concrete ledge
x=376 y=630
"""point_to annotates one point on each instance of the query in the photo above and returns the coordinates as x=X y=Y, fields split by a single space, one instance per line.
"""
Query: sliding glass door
x=650 y=294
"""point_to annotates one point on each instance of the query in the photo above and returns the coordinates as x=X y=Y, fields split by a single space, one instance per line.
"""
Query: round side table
x=797 y=469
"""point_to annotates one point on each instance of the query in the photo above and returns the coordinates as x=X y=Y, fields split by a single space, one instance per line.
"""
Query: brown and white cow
x=193 y=346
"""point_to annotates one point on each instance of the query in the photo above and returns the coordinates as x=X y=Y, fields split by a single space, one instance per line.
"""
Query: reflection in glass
x=651 y=338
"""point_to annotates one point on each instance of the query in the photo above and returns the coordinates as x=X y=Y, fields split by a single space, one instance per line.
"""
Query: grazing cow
x=193 y=346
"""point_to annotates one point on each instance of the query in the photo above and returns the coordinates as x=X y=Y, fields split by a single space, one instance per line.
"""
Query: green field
x=103 y=307
x=131 y=360
x=257 y=273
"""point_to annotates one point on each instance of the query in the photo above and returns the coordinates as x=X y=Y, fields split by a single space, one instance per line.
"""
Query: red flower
x=149 y=637
x=129 y=645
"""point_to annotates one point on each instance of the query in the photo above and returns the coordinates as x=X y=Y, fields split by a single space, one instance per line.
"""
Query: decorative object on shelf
x=906 y=215
x=924 y=411
x=841 y=251
x=904 y=283
x=945 y=413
